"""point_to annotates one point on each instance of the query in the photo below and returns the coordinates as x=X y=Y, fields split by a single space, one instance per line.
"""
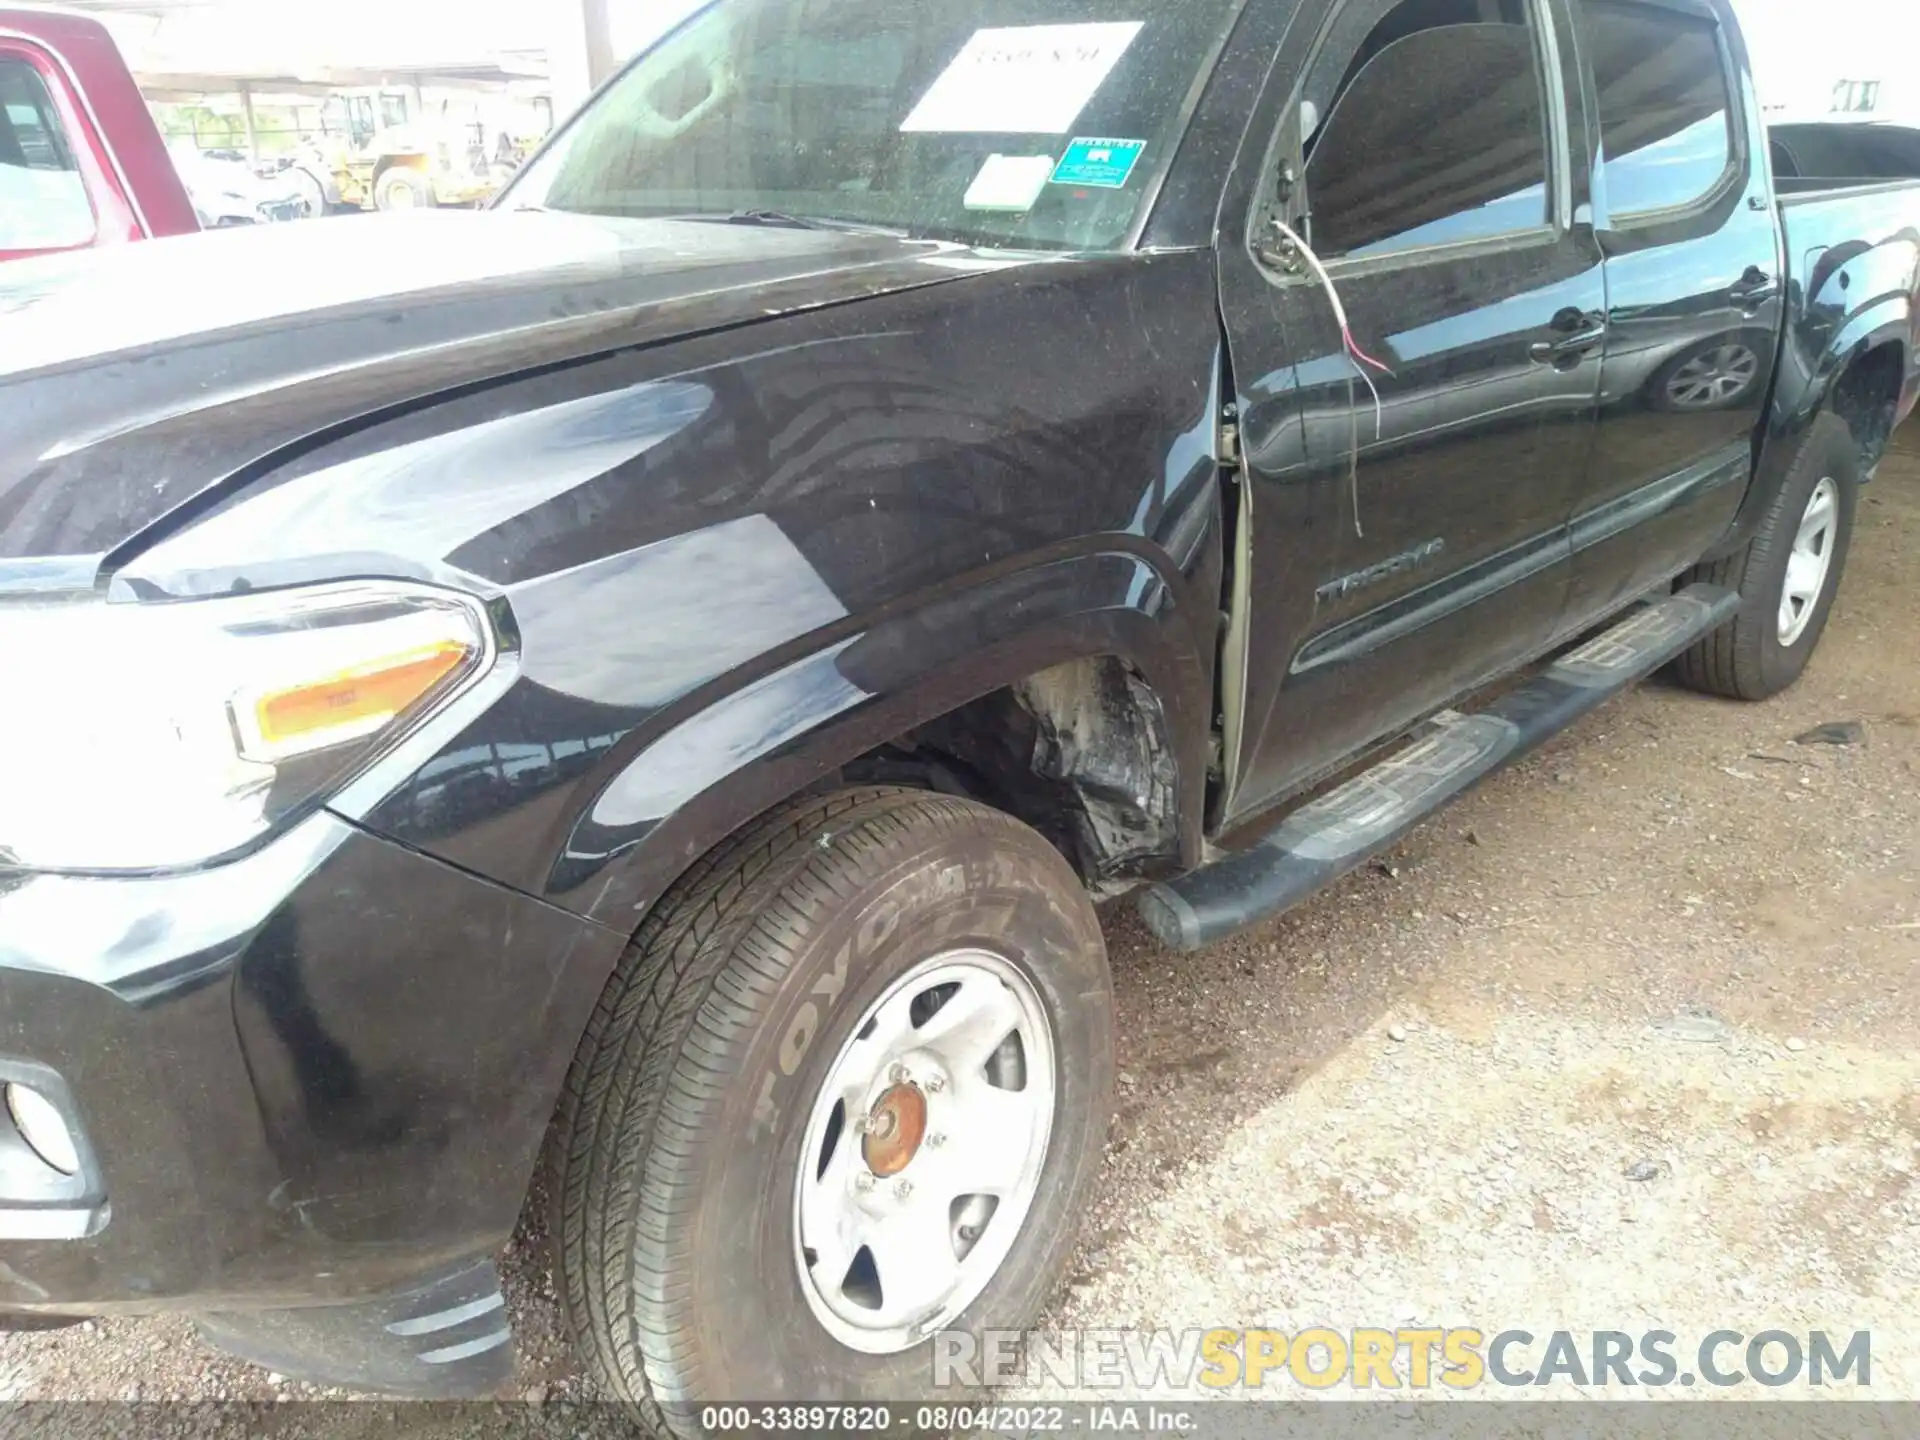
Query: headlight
x=151 y=736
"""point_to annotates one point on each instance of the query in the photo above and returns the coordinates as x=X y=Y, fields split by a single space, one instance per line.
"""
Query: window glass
x=1036 y=123
x=1438 y=136
x=43 y=199
x=1664 y=112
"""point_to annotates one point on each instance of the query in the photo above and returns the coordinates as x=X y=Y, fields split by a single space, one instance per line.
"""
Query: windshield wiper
x=781 y=219
x=773 y=217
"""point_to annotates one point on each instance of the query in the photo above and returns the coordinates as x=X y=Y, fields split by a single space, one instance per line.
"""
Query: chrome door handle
x=1754 y=290
x=1589 y=337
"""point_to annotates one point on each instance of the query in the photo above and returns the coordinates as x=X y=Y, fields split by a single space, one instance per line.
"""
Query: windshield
x=1030 y=123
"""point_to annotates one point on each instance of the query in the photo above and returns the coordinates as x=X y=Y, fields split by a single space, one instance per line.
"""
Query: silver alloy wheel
x=1810 y=561
x=1713 y=377
x=924 y=1150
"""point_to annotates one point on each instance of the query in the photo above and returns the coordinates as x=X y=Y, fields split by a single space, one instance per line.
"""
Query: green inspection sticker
x=1102 y=164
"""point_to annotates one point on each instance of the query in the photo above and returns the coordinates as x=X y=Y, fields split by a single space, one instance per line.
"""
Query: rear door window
x=43 y=196
x=1666 y=118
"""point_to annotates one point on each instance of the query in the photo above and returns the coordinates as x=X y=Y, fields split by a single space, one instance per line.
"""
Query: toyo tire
x=681 y=1195
x=1786 y=591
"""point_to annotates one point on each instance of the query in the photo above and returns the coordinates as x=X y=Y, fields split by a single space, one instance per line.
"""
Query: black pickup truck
x=654 y=678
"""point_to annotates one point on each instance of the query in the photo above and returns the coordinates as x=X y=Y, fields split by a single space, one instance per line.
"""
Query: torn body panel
x=1100 y=734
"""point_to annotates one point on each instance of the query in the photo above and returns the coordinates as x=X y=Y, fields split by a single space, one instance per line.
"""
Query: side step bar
x=1320 y=842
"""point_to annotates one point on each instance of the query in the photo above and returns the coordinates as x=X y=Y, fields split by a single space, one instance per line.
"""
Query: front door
x=1392 y=555
x=1693 y=289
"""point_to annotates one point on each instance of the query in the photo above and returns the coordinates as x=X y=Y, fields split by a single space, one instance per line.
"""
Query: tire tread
x=1732 y=661
x=695 y=979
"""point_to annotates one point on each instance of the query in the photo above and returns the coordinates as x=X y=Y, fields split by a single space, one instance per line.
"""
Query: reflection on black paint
x=748 y=725
x=1439 y=138
x=488 y=776
x=505 y=759
x=332 y=1097
x=1664 y=112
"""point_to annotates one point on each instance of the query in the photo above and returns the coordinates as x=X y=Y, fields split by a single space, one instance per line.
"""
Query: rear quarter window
x=43 y=196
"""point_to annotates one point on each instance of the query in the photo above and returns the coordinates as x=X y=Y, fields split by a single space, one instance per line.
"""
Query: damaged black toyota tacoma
x=651 y=680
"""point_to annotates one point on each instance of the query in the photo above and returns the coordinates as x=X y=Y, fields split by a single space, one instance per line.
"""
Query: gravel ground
x=1672 y=945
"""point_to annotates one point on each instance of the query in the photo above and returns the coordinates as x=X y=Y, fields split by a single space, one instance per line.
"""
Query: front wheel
x=403 y=189
x=1786 y=577
x=312 y=192
x=849 y=1088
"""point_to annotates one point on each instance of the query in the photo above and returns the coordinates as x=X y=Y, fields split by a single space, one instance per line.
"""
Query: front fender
x=768 y=548
x=731 y=759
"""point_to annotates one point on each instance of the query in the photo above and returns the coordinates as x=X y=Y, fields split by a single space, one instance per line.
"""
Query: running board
x=1322 y=841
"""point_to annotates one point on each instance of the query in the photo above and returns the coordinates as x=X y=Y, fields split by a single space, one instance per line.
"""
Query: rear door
x=1694 y=292
x=1393 y=556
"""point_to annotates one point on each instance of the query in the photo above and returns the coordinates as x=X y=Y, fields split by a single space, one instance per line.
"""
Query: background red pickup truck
x=81 y=161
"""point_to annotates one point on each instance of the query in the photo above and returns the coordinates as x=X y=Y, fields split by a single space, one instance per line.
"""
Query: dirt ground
x=1672 y=945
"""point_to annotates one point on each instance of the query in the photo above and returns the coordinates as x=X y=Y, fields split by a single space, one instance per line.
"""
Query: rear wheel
x=1786 y=577
x=848 y=1088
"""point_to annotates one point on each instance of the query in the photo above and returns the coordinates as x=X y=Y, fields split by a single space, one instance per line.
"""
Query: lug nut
x=934 y=1142
x=903 y=1189
x=862 y=1180
x=862 y=1123
x=898 y=1074
x=935 y=1084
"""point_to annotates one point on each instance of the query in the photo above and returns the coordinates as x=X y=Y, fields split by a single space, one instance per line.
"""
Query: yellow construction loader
x=401 y=163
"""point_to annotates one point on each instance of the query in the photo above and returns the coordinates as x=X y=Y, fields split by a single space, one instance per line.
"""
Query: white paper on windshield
x=1022 y=79
x=1009 y=182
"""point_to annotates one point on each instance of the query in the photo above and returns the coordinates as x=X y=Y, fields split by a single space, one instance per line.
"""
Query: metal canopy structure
x=187 y=85
x=178 y=47
x=183 y=49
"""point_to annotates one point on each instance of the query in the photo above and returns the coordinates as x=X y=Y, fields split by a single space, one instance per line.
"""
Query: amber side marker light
x=355 y=702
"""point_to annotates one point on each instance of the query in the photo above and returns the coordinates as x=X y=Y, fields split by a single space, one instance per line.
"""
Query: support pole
x=579 y=53
x=253 y=134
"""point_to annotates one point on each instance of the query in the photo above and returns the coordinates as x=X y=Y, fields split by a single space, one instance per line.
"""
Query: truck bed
x=1853 y=259
x=1797 y=188
x=1830 y=152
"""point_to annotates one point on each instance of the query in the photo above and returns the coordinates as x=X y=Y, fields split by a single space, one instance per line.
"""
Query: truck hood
x=136 y=378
